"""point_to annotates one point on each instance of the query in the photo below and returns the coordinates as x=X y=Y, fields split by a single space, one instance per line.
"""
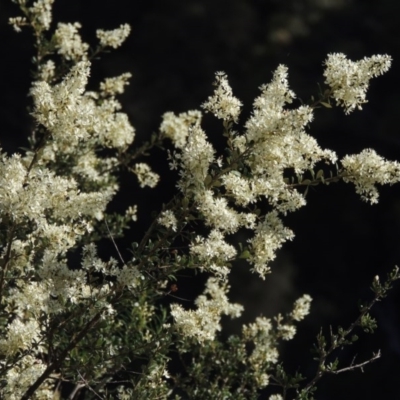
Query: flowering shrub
x=98 y=328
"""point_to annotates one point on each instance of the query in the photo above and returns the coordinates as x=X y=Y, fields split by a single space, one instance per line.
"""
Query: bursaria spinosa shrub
x=97 y=329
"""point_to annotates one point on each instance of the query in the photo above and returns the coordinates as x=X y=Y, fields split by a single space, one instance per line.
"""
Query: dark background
x=341 y=242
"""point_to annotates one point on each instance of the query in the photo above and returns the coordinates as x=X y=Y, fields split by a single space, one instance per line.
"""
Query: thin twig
x=88 y=386
x=353 y=366
x=115 y=245
x=77 y=388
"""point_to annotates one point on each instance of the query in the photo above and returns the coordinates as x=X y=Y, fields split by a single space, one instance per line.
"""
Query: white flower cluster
x=47 y=71
x=62 y=108
x=168 y=220
x=52 y=197
x=275 y=397
x=115 y=37
x=17 y=23
x=145 y=175
x=280 y=143
x=22 y=375
x=69 y=42
x=223 y=104
x=73 y=117
x=20 y=336
x=287 y=332
x=219 y=215
x=203 y=323
x=213 y=252
x=115 y=85
x=265 y=352
x=301 y=307
x=366 y=170
x=177 y=127
x=58 y=286
x=265 y=338
x=349 y=80
x=132 y=212
x=269 y=237
x=277 y=141
x=44 y=193
x=41 y=13
x=55 y=196
x=195 y=160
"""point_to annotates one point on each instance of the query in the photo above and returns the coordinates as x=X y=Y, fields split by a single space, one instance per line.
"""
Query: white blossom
x=242 y=189
x=301 y=307
x=115 y=85
x=367 y=169
x=349 y=80
x=269 y=237
x=41 y=14
x=17 y=22
x=177 y=127
x=117 y=132
x=61 y=108
x=47 y=70
x=168 y=219
x=53 y=196
x=260 y=333
x=45 y=192
x=132 y=212
x=223 y=104
x=195 y=160
x=203 y=323
x=69 y=42
x=20 y=336
x=22 y=375
x=128 y=276
x=279 y=143
x=145 y=175
x=216 y=212
x=115 y=37
x=287 y=331
x=213 y=251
